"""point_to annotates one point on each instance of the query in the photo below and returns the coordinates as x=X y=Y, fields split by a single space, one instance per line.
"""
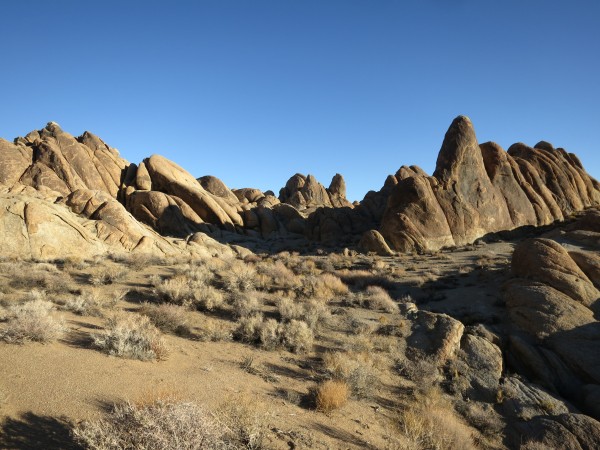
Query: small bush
x=167 y=317
x=315 y=313
x=432 y=425
x=239 y=276
x=164 y=425
x=207 y=298
x=249 y=327
x=297 y=336
x=270 y=334
x=107 y=275
x=331 y=395
x=31 y=321
x=355 y=369
x=324 y=287
x=91 y=303
x=377 y=298
x=290 y=309
x=245 y=303
x=215 y=330
x=277 y=275
x=131 y=336
x=175 y=290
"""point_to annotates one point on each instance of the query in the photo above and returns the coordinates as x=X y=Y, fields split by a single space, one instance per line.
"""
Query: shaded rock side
x=476 y=190
x=304 y=192
x=554 y=305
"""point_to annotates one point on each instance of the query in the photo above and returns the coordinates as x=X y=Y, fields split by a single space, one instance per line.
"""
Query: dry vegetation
x=321 y=334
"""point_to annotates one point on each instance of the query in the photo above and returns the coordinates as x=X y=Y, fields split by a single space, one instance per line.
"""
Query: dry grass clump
x=377 y=298
x=331 y=395
x=168 y=317
x=313 y=312
x=107 y=275
x=131 y=336
x=245 y=303
x=215 y=330
x=91 y=302
x=208 y=298
x=277 y=275
x=248 y=329
x=323 y=287
x=290 y=309
x=355 y=369
x=295 y=335
x=164 y=425
x=176 y=290
x=31 y=321
x=239 y=276
x=26 y=278
x=244 y=417
x=432 y=424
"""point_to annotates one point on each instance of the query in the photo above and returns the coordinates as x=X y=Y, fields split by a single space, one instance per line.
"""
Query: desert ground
x=282 y=350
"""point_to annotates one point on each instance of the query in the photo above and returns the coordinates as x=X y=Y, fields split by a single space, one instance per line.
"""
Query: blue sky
x=254 y=91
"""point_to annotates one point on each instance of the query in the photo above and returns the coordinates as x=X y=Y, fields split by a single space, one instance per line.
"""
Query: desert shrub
x=168 y=317
x=245 y=303
x=164 y=425
x=107 y=275
x=304 y=266
x=131 y=336
x=423 y=371
x=331 y=395
x=208 y=298
x=277 y=275
x=239 y=277
x=199 y=275
x=432 y=424
x=270 y=334
x=297 y=336
x=315 y=313
x=355 y=369
x=244 y=418
x=248 y=329
x=35 y=294
x=25 y=278
x=324 y=287
x=215 y=330
x=290 y=309
x=91 y=302
x=377 y=298
x=31 y=321
x=176 y=290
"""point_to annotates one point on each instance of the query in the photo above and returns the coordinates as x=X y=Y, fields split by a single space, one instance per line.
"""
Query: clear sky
x=253 y=91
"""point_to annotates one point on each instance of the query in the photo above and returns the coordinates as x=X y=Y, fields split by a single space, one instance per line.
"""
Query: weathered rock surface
x=304 y=192
x=372 y=241
x=474 y=190
x=555 y=306
x=477 y=190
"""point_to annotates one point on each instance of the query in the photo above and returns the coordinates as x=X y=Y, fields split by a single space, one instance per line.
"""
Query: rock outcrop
x=476 y=190
x=304 y=192
x=555 y=307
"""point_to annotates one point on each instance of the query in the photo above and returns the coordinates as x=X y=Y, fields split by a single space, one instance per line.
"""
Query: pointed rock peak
x=53 y=127
x=338 y=185
x=459 y=149
x=311 y=180
x=543 y=145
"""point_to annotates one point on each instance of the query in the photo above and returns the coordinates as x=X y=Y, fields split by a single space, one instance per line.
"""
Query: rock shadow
x=33 y=432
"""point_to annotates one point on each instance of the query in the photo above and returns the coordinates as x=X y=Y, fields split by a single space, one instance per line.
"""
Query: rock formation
x=554 y=304
x=474 y=190
x=477 y=190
